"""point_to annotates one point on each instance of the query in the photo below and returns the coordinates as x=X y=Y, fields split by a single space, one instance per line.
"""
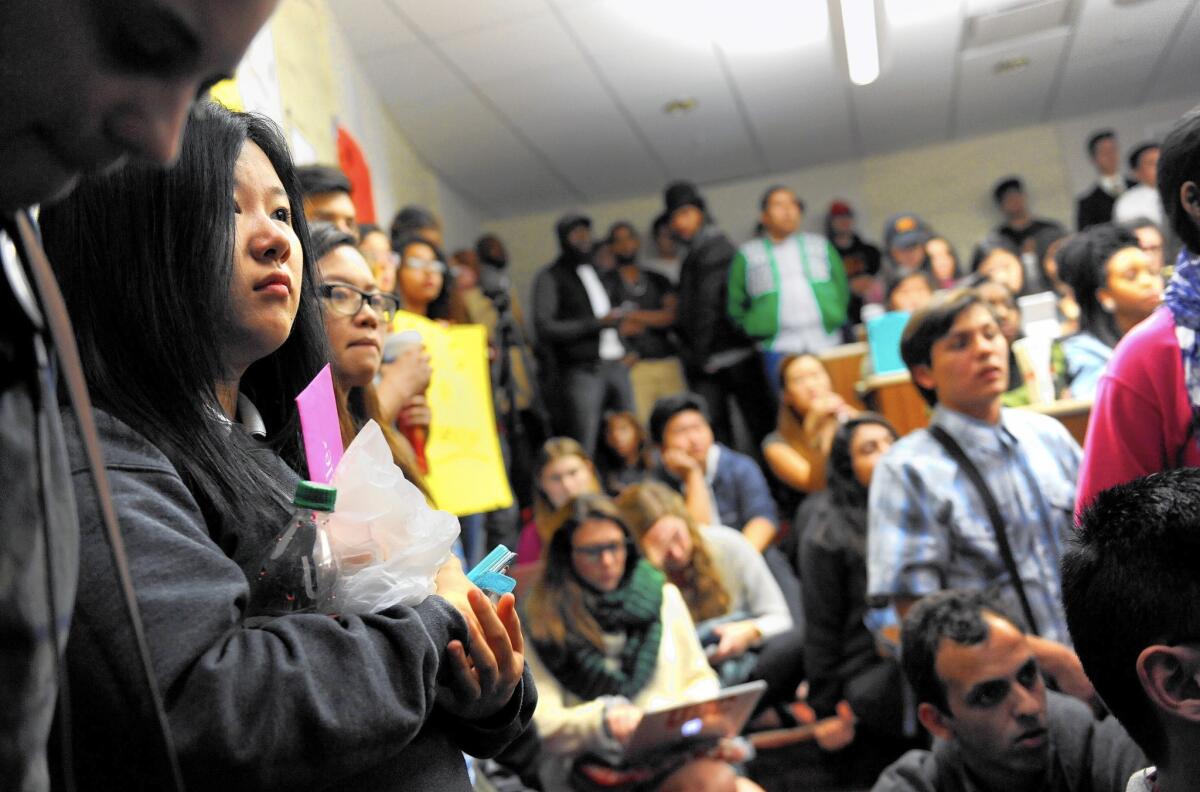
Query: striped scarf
x=633 y=608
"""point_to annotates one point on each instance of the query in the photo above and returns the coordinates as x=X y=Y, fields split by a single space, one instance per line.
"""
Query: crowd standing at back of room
x=699 y=503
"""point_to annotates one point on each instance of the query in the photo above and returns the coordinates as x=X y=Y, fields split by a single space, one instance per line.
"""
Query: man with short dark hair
x=1096 y=206
x=85 y=85
x=720 y=361
x=980 y=693
x=651 y=309
x=665 y=260
x=982 y=498
x=327 y=197
x=1131 y=589
x=576 y=315
x=1020 y=229
x=1142 y=201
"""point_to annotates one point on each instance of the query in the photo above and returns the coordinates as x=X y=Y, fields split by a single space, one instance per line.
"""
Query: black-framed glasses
x=596 y=552
x=344 y=299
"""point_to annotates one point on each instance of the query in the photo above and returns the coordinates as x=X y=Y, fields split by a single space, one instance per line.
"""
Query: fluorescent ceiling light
x=862 y=40
x=746 y=27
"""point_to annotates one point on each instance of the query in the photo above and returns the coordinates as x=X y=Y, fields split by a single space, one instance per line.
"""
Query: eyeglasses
x=346 y=300
x=425 y=265
x=595 y=553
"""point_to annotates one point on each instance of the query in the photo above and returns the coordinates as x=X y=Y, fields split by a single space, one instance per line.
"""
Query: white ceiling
x=528 y=105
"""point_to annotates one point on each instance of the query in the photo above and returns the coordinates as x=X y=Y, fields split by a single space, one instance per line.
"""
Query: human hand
x=482 y=678
x=834 y=734
x=406 y=376
x=734 y=750
x=679 y=463
x=613 y=317
x=622 y=720
x=736 y=639
x=630 y=327
x=416 y=413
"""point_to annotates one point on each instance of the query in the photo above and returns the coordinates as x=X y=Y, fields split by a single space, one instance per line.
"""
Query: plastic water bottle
x=299 y=570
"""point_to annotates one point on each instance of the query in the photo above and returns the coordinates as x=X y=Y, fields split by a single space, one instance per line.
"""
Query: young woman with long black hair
x=196 y=306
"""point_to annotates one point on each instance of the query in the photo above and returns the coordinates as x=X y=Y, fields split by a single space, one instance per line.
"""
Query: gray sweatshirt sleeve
x=301 y=700
x=748 y=579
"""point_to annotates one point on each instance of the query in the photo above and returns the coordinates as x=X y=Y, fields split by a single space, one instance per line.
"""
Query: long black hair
x=846 y=493
x=1083 y=265
x=145 y=258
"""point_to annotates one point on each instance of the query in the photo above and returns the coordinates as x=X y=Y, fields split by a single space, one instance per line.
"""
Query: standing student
x=720 y=360
x=85 y=86
x=1153 y=378
x=202 y=451
x=1096 y=206
x=787 y=288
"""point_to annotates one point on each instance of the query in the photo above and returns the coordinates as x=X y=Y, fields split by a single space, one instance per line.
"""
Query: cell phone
x=396 y=343
x=489 y=575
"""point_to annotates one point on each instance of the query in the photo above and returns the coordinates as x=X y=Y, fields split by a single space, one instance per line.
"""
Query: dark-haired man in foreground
x=85 y=84
x=930 y=526
x=1131 y=589
x=980 y=693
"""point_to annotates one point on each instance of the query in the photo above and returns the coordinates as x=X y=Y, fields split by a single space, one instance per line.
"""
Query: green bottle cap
x=311 y=495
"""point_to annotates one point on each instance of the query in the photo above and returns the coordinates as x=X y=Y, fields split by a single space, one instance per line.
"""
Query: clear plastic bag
x=388 y=540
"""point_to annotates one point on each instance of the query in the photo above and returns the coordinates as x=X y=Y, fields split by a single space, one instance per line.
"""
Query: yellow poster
x=466 y=468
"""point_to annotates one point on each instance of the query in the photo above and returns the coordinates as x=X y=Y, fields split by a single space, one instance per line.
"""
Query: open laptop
x=708 y=720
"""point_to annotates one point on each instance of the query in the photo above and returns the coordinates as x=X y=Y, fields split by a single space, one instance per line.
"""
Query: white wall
x=949 y=184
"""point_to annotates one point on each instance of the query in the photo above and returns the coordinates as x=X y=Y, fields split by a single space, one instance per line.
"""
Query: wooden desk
x=844 y=364
x=1073 y=413
x=898 y=400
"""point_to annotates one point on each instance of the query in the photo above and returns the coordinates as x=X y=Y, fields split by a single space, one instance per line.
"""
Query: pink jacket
x=1140 y=418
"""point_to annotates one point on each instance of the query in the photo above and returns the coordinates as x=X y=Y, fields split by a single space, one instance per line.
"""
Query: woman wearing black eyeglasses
x=356 y=317
x=611 y=639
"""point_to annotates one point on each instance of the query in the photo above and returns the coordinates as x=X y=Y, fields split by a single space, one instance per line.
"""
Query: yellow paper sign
x=226 y=93
x=466 y=468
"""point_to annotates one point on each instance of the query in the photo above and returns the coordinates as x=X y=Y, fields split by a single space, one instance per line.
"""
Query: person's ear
x=935 y=721
x=1189 y=198
x=1170 y=676
x=1105 y=298
x=922 y=375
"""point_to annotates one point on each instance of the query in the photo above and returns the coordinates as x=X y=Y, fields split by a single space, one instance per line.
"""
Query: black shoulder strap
x=989 y=502
x=63 y=338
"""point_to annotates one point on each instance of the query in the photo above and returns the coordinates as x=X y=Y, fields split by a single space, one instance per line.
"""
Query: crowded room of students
x=600 y=395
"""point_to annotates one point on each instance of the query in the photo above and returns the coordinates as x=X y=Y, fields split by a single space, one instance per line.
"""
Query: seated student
x=980 y=692
x=626 y=455
x=809 y=414
x=739 y=611
x=1004 y=307
x=1131 y=589
x=909 y=291
x=197 y=442
x=610 y=638
x=982 y=493
x=1116 y=287
x=728 y=487
x=943 y=262
x=562 y=472
x=356 y=316
x=996 y=261
x=844 y=666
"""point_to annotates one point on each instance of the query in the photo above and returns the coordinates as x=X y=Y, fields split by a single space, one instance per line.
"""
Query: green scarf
x=633 y=608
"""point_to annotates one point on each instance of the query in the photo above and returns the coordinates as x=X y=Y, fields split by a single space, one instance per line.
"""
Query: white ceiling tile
x=524 y=47
x=990 y=102
x=1113 y=53
x=1177 y=76
x=372 y=26
x=440 y=18
x=411 y=76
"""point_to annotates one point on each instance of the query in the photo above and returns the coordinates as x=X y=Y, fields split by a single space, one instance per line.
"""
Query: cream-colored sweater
x=570 y=726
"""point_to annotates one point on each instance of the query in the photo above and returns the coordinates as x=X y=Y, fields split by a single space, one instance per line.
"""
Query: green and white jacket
x=756 y=283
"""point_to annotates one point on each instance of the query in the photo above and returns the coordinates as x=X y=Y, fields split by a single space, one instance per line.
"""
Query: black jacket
x=37 y=505
x=704 y=326
x=1096 y=207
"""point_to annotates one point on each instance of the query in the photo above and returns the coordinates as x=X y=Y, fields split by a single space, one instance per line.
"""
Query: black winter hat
x=683 y=193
